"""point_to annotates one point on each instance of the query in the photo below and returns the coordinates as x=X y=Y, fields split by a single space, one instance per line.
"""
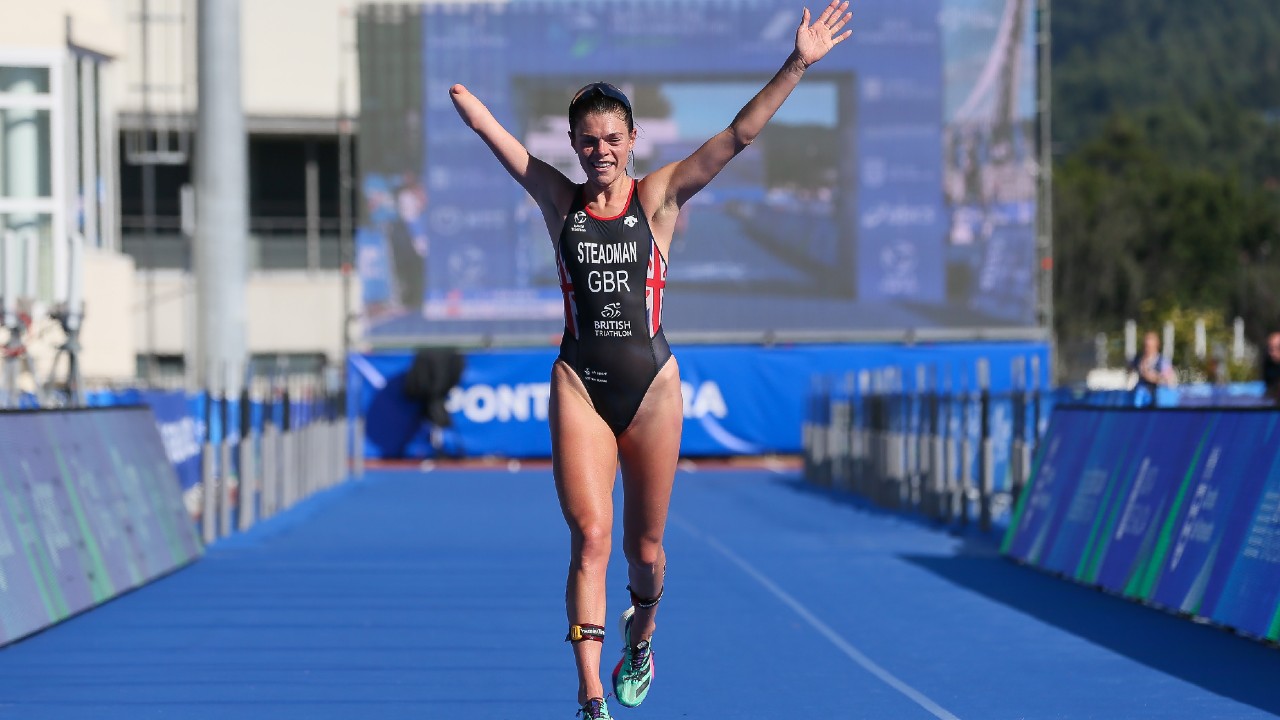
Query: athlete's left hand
x=813 y=41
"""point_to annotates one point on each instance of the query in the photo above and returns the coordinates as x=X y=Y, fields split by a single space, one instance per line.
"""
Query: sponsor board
x=1178 y=508
x=737 y=399
x=89 y=508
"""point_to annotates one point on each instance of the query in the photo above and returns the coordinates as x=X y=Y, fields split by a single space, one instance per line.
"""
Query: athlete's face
x=603 y=145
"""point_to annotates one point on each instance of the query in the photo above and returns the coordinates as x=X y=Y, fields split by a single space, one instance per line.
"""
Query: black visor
x=604 y=89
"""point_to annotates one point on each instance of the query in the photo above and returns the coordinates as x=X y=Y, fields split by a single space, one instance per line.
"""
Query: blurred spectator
x=407 y=238
x=1217 y=367
x=1153 y=369
x=1271 y=367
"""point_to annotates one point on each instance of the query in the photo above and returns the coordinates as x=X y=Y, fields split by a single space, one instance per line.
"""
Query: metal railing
x=275 y=243
x=253 y=468
x=957 y=455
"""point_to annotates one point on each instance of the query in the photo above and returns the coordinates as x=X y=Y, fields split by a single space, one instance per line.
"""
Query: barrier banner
x=1244 y=590
x=1226 y=486
x=1178 y=508
x=738 y=400
x=89 y=508
x=1144 y=487
x=1056 y=473
x=181 y=429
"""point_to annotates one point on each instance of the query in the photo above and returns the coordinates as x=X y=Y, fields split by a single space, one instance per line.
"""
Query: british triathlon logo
x=609 y=325
x=579 y=222
x=630 y=221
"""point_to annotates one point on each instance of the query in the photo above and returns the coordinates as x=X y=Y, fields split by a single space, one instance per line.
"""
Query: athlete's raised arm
x=546 y=185
x=679 y=181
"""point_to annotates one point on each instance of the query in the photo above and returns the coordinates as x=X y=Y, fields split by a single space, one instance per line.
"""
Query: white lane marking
x=777 y=467
x=823 y=629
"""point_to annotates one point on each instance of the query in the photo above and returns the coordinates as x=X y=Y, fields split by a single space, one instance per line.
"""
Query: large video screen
x=894 y=190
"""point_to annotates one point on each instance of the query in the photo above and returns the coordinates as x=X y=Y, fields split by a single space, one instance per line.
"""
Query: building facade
x=97 y=136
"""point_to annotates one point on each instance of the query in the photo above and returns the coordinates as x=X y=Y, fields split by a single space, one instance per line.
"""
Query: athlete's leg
x=584 y=461
x=649 y=450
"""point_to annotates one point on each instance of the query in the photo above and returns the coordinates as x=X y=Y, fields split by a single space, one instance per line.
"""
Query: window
x=25 y=152
x=27 y=254
x=28 y=192
x=24 y=80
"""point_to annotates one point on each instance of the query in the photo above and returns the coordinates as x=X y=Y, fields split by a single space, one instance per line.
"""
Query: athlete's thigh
x=649 y=450
x=584 y=453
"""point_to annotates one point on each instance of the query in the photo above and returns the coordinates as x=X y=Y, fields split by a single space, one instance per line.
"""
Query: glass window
x=38 y=226
x=24 y=80
x=25 y=146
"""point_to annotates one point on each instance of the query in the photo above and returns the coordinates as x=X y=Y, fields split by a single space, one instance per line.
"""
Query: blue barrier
x=1176 y=508
x=738 y=399
x=1240 y=394
x=89 y=509
x=915 y=441
x=189 y=422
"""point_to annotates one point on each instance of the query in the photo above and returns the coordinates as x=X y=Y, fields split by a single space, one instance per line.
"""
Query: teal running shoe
x=634 y=672
x=595 y=709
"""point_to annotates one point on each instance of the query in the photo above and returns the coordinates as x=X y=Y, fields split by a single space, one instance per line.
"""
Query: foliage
x=1219 y=336
x=1167 y=162
x=1125 y=56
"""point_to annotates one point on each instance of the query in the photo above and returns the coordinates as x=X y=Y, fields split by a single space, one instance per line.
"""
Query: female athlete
x=615 y=389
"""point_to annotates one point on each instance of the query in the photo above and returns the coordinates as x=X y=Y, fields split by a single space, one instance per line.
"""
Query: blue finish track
x=439 y=595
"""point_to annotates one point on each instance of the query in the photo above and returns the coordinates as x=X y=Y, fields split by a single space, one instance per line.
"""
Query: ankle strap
x=646 y=603
x=579 y=633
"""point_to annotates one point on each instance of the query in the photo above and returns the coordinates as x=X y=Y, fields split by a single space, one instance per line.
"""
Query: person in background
x=1153 y=369
x=407 y=239
x=1271 y=367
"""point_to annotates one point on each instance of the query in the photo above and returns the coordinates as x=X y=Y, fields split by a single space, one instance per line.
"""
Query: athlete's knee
x=643 y=551
x=592 y=542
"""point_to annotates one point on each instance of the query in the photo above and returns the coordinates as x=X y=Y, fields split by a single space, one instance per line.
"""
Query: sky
x=704 y=109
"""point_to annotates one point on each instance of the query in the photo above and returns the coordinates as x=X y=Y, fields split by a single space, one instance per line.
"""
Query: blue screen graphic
x=895 y=188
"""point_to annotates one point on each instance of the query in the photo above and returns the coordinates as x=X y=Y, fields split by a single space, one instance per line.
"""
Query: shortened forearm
x=508 y=150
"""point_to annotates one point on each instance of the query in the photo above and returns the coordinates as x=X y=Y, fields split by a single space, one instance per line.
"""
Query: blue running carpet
x=425 y=595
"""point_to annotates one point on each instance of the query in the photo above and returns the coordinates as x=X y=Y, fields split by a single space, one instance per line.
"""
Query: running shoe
x=634 y=672
x=595 y=709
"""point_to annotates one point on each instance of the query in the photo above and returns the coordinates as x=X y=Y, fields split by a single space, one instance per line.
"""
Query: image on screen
x=767 y=223
x=894 y=191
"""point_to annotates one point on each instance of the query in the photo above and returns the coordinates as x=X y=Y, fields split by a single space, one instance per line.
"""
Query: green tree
x=1167 y=162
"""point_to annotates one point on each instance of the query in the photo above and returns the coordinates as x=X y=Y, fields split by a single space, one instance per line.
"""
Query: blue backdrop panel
x=1179 y=508
x=737 y=399
x=89 y=508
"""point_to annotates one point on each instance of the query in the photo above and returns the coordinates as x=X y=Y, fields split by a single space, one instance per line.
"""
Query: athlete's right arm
x=546 y=185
